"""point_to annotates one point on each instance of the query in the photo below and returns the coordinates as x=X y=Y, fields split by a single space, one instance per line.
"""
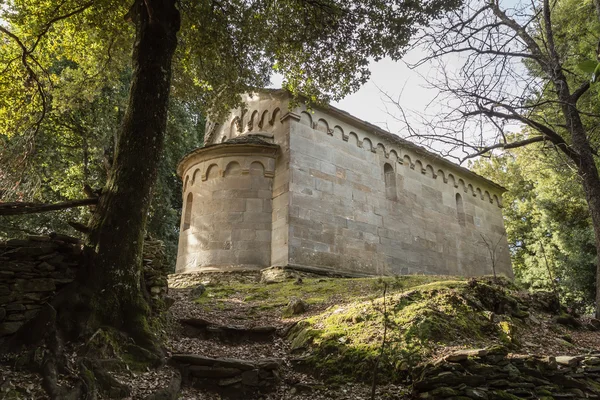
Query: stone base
x=218 y=274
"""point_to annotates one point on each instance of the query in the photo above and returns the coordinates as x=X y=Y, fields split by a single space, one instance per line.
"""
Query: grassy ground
x=316 y=292
x=340 y=336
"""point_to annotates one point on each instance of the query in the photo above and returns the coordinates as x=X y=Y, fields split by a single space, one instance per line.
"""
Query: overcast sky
x=393 y=77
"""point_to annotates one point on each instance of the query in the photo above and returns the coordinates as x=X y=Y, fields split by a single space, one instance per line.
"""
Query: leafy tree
x=547 y=222
x=213 y=51
x=519 y=67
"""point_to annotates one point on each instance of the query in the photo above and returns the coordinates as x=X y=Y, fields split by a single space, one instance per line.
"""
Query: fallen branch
x=20 y=208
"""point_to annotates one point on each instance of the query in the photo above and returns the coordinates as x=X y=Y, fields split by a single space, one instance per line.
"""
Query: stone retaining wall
x=32 y=270
x=492 y=374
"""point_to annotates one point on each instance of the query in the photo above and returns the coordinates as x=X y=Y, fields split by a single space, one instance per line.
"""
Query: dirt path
x=293 y=384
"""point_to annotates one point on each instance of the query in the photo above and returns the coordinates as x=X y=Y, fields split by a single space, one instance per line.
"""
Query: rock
x=594 y=360
x=2 y=314
x=443 y=392
x=571 y=361
x=15 y=307
x=462 y=355
x=201 y=371
x=230 y=381
x=476 y=394
x=277 y=275
x=250 y=378
x=595 y=323
x=197 y=291
x=295 y=306
x=35 y=285
x=8 y=328
x=567 y=320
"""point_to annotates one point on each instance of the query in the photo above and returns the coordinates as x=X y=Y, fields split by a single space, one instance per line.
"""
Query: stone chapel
x=322 y=190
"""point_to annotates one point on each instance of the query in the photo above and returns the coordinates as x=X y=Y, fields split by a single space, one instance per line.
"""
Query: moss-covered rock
x=345 y=340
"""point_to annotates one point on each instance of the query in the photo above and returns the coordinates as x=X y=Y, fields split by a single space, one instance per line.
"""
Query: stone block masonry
x=342 y=195
x=492 y=375
x=32 y=270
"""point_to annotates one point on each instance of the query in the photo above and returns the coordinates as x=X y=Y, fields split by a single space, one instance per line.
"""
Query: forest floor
x=329 y=350
x=346 y=314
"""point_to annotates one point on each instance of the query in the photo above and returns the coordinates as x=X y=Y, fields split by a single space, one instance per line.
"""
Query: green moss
x=345 y=340
x=314 y=291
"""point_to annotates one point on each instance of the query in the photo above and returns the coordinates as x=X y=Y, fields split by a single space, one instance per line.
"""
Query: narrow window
x=390 y=182
x=460 y=210
x=188 y=212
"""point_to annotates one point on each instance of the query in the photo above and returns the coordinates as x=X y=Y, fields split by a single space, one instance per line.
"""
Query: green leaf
x=588 y=66
x=596 y=74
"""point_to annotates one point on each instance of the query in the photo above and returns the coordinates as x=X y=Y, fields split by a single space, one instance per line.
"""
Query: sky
x=398 y=81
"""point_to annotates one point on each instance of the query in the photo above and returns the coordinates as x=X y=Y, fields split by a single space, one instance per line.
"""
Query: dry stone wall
x=32 y=270
x=492 y=375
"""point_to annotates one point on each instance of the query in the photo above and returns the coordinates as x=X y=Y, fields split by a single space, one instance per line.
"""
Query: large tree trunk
x=591 y=185
x=112 y=278
x=587 y=169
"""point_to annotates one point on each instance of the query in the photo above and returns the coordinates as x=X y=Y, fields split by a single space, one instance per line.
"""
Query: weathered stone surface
x=251 y=378
x=571 y=361
x=8 y=327
x=202 y=371
x=198 y=291
x=277 y=274
x=478 y=394
x=32 y=269
x=462 y=355
x=328 y=191
x=34 y=285
x=295 y=306
x=498 y=376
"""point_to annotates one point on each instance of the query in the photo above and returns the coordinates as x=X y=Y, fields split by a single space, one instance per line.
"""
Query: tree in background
x=519 y=67
x=547 y=222
x=208 y=52
x=74 y=149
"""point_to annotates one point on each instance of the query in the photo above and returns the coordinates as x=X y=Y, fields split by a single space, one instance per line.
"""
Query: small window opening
x=390 y=182
x=460 y=210
x=188 y=212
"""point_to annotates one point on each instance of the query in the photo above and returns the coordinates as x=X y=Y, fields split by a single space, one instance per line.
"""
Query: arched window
x=460 y=210
x=390 y=182
x=187 y=218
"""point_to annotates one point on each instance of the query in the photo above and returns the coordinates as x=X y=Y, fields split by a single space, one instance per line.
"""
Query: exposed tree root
x=78 y=371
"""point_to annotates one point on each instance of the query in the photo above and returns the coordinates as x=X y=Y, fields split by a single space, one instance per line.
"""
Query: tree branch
x=20 y=208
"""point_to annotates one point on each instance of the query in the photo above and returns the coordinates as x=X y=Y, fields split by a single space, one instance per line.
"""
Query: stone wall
x=226 y=219
x=350 y=197
x=356 y=205
x=491 y=374
x=32 y=270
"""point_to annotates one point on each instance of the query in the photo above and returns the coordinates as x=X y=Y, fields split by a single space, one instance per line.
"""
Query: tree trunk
x=592 y=192
x=111 y=279
x=587 y=170
x=591 y=185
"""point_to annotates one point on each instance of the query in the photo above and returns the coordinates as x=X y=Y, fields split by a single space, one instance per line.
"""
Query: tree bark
x=586 y=166
x=111 y=279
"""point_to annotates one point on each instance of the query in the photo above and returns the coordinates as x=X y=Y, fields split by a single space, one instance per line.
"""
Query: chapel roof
x=369 y=127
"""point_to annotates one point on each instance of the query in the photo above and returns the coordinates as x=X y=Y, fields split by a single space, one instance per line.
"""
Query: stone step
x=203 y=329
x=232 y=378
